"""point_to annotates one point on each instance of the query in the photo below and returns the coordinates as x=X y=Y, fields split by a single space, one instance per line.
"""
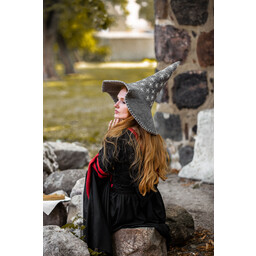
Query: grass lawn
x=75 y=109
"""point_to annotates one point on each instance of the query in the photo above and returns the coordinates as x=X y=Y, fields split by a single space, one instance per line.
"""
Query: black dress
x=115 y=201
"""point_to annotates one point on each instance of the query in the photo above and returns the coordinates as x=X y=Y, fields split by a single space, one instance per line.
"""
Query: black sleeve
x=108 y=165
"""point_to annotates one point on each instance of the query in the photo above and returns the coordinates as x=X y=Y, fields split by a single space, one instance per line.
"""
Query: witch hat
x=141 y=95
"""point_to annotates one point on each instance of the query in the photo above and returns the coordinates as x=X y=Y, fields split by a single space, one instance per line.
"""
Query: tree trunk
x=65 y=55
x=49 y=30
x=77 y=56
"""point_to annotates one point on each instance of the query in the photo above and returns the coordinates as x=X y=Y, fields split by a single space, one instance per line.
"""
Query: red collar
x=133 y=131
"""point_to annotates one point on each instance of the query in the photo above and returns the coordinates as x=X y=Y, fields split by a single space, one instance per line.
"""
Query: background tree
x=69 y=25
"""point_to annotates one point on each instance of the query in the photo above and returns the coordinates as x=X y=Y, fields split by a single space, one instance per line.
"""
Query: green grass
x=75 y=109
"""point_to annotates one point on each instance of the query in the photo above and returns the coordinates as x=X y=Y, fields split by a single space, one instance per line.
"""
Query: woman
x=121 y=182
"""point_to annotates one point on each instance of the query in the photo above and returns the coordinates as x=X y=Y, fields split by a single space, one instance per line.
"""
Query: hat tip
x=177 y=63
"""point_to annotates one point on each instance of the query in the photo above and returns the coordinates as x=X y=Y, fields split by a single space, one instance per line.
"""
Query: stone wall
x=184 y=31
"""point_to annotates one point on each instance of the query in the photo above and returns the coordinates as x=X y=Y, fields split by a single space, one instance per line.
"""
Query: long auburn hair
x=151 y=157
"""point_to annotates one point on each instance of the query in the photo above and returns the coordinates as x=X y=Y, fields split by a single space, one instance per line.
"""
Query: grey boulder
x=63 y=180
x=60 y=242
x=78 y=188
x=70 y=155
x=49 y=159
x=138 y=241
x=58 y=216
x=75 y=214
x=181 y=224
x=202 y=165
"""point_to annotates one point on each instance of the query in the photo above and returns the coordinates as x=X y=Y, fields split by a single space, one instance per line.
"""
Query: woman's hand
x=112 y=123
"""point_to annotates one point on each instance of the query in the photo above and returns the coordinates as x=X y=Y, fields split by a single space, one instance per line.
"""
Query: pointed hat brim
x=113 y=87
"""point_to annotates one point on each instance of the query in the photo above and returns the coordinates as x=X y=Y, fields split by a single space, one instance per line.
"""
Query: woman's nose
x=116 y=104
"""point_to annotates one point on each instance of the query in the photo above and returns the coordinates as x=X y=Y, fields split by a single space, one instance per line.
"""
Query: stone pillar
x=202 y=165
x=184 y=31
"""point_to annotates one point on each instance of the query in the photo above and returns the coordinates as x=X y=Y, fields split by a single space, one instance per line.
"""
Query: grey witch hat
x=141 y=95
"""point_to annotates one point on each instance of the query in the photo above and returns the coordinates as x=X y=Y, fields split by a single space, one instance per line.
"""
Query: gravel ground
x=196 y=198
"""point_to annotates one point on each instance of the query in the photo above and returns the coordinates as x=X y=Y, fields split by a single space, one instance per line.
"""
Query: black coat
x=112 y=200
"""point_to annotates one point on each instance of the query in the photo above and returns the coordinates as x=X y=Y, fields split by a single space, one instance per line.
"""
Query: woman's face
x=121 y=110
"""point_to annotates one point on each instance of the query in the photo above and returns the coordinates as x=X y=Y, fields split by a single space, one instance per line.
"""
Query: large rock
x=190 y=12
x=75 y=214
x=201 y=167
x=190 y=89
x=78 y=189
x=205 y=49
x=168 y=125
x=181 y=224
x=63 y=180
x=138 y=241
x=60 y=242
x=75 y=208
x=186 y=155
x=58 y=216
x=70 y=155
x=171 y=44
x=50 y=164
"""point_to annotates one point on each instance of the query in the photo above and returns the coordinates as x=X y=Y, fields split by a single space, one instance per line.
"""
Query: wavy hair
x=151 y=157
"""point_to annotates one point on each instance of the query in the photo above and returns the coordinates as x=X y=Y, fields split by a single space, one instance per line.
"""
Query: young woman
x=121 y=182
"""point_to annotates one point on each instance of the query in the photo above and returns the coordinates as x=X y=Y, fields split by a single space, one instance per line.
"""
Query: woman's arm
x=107 y=165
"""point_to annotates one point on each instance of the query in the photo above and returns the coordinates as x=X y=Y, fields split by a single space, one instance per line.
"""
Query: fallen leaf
x=175 y=171
x=210 y=241
x=202 y=238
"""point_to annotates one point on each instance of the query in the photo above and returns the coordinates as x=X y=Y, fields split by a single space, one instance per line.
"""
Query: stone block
x=50 y=164
x=190 y=12
x=60 y=242
x=194 y=129
x=139 y=241
x=75 y=214
x=63 y=180
x=171 y=44
x=75 y=208
x=161 y=9
x=201 y=167
x=205 y=49
x=186 y=155
x=181 y=224
x=168 y=126
x=78 y=189
x=58 y=216
x=70 y=155
x=190 y=89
